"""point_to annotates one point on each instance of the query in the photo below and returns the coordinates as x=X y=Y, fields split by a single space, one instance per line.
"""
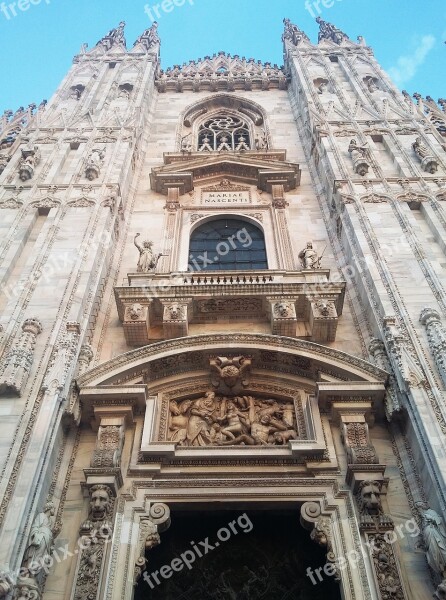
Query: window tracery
x=224 y=132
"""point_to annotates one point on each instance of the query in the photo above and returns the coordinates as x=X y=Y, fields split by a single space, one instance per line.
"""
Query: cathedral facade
x=223 y=329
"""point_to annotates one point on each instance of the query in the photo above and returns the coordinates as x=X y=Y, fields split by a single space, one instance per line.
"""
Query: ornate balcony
x=304 y=304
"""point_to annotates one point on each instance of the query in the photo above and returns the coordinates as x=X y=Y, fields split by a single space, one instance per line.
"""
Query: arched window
x=229 y=245
x=224 y=132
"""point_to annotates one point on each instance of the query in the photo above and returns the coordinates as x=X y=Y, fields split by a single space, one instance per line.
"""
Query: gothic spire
x=149 y=38
x=293 y=33
x=327 y=31
x=114 y=37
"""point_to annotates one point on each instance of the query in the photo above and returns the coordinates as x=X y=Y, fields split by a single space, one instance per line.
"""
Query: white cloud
x=407 y=66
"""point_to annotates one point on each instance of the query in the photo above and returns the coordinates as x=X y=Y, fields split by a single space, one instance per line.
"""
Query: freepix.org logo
x=155 y=12
x=10 y=10
x=188 y=557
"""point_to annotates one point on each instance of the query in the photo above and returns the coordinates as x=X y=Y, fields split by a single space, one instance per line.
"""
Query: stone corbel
x=354 y=419
x=278 y=194
x=283 y=317
x=110 y=423
x=312 y=519
x=176 y=317
x=173 y=199
x=323 y=320
x=136 y=324
x=151 y=525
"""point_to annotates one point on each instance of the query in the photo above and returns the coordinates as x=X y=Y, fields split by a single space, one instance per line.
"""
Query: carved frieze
x=223 y=421
x=230 y=306
x=385 y=566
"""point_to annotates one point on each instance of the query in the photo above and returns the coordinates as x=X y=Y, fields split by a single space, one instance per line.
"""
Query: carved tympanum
x=222 y=421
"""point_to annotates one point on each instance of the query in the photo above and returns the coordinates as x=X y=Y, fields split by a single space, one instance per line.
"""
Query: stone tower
x=223 y=290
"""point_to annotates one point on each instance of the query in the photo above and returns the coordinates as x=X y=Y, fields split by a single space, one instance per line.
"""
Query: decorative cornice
x=221 y=72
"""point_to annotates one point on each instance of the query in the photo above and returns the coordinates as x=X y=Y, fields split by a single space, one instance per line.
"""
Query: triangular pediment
x=263 y=169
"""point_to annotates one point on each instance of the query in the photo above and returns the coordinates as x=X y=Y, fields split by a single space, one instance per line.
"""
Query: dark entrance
x=246 y=555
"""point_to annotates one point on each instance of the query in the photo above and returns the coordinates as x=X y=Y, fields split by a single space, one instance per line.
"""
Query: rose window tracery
x=224 y=133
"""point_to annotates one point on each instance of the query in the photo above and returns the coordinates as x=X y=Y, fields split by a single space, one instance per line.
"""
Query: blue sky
x=39 y=42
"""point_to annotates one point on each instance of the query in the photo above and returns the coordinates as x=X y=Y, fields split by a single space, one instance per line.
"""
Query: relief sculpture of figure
x=236 y=422
x=179 y=421
x=247 y=421
x=201 y=420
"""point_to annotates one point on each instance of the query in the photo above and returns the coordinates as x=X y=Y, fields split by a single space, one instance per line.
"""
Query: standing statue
x=420 y=148
x=434 y=536
x=94 y=163
x=428 y=162
x=147 y=260
x=358 y=153
x=40 y=542
x=309 y=257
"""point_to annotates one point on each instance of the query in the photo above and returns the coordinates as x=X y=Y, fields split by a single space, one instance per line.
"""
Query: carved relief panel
x=213 y=420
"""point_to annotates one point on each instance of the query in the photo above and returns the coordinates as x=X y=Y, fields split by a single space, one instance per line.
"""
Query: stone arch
x=228 y=103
